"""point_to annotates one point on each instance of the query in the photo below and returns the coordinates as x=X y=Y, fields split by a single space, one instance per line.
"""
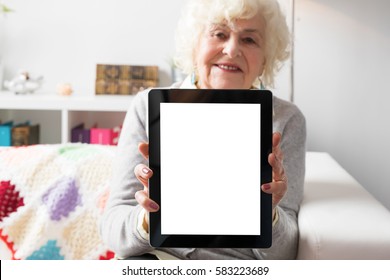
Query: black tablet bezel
x=158 y=96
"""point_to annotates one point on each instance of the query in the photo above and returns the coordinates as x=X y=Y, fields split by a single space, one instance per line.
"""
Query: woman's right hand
x=143 y=174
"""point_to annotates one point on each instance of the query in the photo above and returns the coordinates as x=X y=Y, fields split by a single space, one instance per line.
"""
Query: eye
x=249 y=40
x=220 y=35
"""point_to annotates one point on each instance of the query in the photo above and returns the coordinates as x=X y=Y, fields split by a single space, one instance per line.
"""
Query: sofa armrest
x=338 y=218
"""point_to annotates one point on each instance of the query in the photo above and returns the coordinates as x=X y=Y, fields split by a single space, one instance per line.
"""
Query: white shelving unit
x=58 y=114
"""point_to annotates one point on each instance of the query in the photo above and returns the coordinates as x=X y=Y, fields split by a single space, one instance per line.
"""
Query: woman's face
x=231 y=56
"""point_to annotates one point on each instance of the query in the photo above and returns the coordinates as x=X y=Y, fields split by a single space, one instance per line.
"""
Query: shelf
x=58 y=114
x=13 y=101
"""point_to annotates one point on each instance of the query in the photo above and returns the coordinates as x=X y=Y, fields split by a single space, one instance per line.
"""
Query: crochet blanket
x=51 y=200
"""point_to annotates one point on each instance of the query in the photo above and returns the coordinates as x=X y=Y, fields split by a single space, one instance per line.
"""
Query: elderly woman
x=221 y=44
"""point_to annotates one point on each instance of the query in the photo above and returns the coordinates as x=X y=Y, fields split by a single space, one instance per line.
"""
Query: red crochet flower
x=9 y=199
x=9 y=245
x=108 y=256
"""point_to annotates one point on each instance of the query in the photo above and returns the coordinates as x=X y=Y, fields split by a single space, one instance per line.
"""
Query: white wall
x=64 y=40
x=342 y=71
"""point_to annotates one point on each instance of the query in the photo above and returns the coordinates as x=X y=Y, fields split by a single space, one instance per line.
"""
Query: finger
x=277 y=189
x=144 y=149
x=143 y=199
x=278 y=153
x=276 y=138
x=276 y=141
x=143 y=174
x=277 y=168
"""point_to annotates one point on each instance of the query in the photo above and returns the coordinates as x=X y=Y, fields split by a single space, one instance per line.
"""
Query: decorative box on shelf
x=105 y=136
x=124 y=79
x=80 y=134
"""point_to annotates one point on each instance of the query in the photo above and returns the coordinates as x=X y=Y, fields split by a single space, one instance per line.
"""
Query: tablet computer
x=208 y=150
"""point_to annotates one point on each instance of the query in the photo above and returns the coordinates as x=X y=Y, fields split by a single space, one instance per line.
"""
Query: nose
x=232 y=47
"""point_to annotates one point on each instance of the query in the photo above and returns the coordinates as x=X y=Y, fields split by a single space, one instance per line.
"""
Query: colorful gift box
x=105 y=136
x=6 y=134
x=80 y=134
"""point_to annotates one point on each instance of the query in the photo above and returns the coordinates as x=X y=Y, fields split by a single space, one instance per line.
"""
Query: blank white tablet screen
x=210 y=168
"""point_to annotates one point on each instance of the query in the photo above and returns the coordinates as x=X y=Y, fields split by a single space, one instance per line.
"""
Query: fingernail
x=145 y=170
x=266 y=187
x=153 y=205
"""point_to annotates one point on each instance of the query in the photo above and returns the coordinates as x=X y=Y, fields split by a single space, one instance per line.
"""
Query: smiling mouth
x=228 y=68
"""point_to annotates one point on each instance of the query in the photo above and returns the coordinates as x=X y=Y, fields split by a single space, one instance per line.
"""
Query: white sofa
x=338 y=219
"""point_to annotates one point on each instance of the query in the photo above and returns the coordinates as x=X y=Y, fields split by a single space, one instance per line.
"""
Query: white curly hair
x=199 y=14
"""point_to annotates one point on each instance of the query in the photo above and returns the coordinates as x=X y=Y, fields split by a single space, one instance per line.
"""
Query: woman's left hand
x=278 y=186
